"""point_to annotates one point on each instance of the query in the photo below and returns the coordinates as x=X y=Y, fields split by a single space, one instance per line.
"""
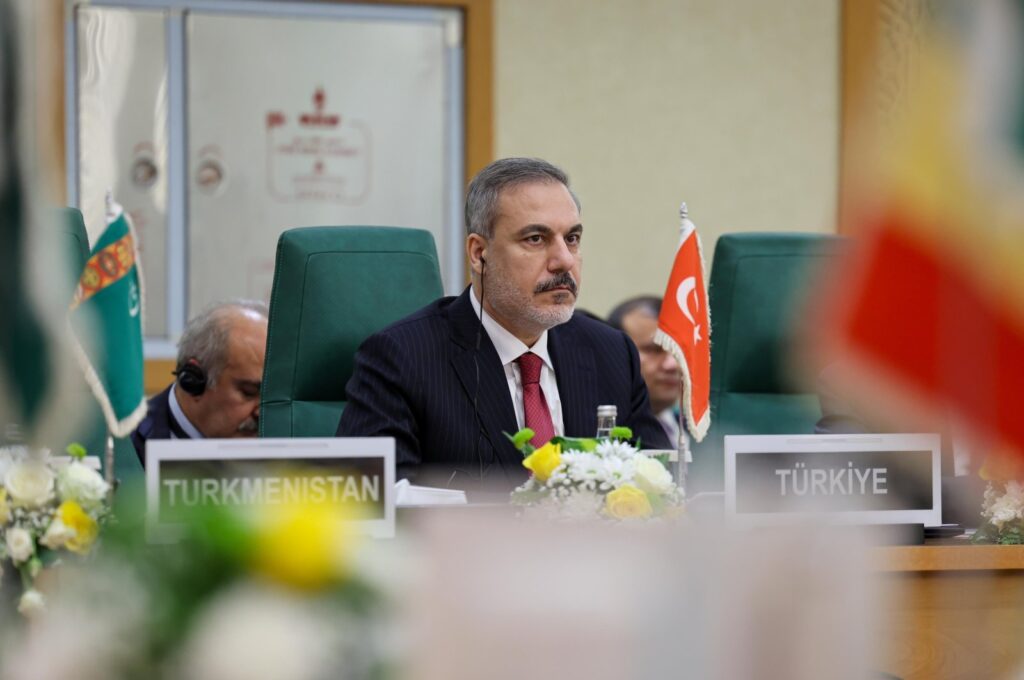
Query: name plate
x=857 y=479
x=182 y=474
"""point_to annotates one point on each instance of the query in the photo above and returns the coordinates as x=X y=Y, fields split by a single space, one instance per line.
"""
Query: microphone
x=476 y=393
x=476 y=367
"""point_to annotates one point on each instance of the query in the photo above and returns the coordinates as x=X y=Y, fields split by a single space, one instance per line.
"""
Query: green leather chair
x=757 y=287
x=333 y=287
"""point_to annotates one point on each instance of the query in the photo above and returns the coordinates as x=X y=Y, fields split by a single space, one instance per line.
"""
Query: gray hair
x=485 y=189
x=206 y=336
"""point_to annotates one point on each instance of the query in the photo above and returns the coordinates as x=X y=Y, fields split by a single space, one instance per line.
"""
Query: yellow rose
x=543 y=461
x=5 y=507
x=84 y=526
x=306 y=546
x=627 y=502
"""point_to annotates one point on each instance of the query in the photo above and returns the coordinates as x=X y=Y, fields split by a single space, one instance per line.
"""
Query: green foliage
x=76 y=450
x=1009 y=534
x=224 y=534
x=529 y=497
x=521 y=440
x=576 y=444
x=657 y=503
x=621 y=432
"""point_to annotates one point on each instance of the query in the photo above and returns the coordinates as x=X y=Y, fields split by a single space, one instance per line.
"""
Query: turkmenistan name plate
x=861 y=479
x=356 y=474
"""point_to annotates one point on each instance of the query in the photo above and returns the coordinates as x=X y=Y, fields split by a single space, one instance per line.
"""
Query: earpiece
x=192 y=378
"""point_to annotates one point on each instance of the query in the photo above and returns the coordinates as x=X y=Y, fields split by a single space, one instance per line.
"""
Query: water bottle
x=606 y=420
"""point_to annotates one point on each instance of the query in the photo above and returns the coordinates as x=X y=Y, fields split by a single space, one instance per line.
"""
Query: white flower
x=619 y=471
x=32 y=602
x=251 y=632
x=1005 y=509
x=57 y=534
x=29 y=483
x=651 y=476
x=616 y=449
x=1015 y=493
x=582 y=505
x=19 y=544
x=990 y=498
x=80 y=483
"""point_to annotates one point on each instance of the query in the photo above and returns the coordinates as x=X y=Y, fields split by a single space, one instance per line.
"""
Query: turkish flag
x=684 y=329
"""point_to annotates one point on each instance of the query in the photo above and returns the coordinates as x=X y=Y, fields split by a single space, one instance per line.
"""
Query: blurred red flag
x=684 y=328
x=927 y=317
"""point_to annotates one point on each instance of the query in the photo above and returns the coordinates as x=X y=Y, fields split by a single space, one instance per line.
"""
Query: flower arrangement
x=48 y=508
x=579 y=479
x=1003 y=504
x=1003 y=510
x=277 y=592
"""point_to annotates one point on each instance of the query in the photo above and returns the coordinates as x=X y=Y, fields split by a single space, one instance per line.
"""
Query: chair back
x=757 y=288
x=333 y=287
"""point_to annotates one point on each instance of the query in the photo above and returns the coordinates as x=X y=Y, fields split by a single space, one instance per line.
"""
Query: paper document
x=408 y=495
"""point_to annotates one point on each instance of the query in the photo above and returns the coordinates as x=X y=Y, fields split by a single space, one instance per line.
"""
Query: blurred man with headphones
x=219 y=369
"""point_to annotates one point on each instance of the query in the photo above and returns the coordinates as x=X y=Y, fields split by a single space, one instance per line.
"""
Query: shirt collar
x=179 y=415
x=508 y=346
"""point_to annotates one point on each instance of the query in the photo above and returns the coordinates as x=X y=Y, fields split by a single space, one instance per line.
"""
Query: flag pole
x=108 y=465
x=683 y=445
x=685 y=457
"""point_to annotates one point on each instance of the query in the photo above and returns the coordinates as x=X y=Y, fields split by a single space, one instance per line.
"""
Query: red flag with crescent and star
x=684 y=328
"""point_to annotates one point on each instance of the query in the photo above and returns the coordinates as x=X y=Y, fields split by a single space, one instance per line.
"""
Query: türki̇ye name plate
x=182 y=475
x=864 y=479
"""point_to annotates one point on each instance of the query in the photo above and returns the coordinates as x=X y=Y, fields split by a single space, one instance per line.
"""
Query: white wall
x=730 y=105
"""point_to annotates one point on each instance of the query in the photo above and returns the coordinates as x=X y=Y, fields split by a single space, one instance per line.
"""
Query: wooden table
x=949 y=609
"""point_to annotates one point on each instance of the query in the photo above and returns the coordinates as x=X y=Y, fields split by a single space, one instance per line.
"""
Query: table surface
x=947 y=554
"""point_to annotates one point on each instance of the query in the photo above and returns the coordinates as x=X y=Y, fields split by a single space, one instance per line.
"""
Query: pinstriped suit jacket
x=416 y=381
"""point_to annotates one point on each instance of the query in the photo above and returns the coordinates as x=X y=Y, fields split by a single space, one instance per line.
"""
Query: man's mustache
x=249 y=426
x=563 y=280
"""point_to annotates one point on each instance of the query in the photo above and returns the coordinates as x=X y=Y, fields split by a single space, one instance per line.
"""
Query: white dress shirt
x=669 y=419
x=179 y=415
x=510 y=348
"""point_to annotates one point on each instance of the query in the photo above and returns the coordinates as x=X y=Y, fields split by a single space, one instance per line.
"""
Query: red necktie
x=535 y=406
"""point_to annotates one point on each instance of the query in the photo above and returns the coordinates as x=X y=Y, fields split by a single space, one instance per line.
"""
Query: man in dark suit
x=448 y=381
x=219 y=368
x=637 y=317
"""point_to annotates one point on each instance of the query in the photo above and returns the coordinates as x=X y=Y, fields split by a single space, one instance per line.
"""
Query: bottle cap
x=607 y=410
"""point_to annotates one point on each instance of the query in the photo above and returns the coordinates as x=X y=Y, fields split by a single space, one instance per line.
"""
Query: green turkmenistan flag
x=106 y=315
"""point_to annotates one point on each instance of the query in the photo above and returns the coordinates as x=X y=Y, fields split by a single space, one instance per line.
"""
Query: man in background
x=216 y=392
x=638 y=318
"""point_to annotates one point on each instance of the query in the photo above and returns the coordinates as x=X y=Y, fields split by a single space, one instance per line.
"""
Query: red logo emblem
x=318 y=118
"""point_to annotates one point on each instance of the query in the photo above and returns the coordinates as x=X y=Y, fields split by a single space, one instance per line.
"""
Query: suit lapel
x=576 y=373
x=494 y=404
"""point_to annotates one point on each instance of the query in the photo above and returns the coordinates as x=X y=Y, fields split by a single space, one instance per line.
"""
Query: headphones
x=192 y=378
